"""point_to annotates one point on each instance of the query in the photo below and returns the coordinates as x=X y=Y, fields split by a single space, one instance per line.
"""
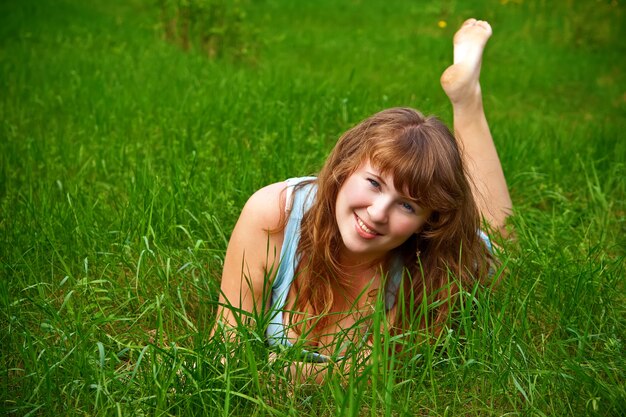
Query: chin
x=356 y=247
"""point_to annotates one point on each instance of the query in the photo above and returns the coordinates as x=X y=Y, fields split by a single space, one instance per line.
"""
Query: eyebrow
x=378 y=177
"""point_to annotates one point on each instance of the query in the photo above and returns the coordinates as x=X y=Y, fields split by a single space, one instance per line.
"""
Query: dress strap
x=298 y=202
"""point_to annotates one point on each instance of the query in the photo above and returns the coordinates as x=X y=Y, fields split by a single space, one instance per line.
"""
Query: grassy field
x=125 y=159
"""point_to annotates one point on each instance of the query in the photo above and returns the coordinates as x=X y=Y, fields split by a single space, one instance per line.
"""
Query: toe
x=484 y=24
x=469 y=22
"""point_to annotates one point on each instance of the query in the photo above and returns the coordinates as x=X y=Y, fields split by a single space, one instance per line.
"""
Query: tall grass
x=125 y=161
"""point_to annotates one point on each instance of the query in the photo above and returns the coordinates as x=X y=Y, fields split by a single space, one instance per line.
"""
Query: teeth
x=365 y=228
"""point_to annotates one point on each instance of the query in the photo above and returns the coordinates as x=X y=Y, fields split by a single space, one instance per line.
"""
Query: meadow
x=130 y=142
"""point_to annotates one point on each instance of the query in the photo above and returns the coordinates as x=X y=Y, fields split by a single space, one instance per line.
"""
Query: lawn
x=128 y=147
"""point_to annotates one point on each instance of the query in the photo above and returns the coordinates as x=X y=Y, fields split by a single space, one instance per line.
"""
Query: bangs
x=423 y=166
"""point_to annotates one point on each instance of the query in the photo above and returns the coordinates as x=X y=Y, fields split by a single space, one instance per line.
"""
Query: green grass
x=124 y=162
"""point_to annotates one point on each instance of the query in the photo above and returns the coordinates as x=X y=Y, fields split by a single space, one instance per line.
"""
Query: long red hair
x=424 y=159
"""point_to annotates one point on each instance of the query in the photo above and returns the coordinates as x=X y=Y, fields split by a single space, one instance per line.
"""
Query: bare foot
x=460 y=80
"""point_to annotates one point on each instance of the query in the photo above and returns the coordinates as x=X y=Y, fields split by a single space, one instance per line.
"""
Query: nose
x=378 y=211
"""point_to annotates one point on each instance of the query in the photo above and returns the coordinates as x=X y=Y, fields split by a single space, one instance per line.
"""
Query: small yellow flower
x=442 y=24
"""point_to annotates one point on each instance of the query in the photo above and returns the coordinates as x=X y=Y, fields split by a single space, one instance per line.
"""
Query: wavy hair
x=424 y=159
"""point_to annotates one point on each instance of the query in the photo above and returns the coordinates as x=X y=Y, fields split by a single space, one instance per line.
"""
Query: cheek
x=403 y=226
x=408 y=226
x=352 y=195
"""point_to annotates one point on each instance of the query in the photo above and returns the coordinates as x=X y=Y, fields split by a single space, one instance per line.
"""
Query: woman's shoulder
x=267 y=205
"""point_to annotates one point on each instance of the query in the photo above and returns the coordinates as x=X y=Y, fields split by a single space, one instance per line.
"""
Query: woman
x=395 y=211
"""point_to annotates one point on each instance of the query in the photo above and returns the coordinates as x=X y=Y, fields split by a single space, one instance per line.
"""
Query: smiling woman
x=396 y=209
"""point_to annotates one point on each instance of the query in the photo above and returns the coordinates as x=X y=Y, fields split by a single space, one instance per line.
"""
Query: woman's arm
x=251 y=253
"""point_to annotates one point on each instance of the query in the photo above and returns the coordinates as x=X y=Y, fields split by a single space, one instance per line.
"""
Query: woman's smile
x=364 y=230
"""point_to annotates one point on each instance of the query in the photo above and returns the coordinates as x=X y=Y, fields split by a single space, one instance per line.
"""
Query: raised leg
x=460 y=81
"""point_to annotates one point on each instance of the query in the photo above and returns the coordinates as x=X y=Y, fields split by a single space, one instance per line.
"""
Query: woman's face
x=373 y=217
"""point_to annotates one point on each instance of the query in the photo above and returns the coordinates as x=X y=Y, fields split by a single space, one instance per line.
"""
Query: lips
x=363 y=229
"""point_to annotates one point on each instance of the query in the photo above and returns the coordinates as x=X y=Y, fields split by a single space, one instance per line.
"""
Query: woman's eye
x=408 y=207
x=374 y=183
